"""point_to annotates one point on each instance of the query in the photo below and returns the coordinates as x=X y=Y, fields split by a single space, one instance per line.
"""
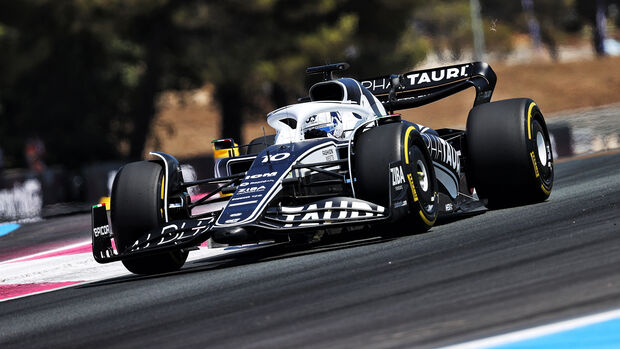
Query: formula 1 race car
x=340 y=161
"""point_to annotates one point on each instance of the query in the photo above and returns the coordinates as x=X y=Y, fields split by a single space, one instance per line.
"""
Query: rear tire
x=137 y=207
x=375 y=150
x=509 y=153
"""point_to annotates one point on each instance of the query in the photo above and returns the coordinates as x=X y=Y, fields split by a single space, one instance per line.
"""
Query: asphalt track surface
x=493 y=273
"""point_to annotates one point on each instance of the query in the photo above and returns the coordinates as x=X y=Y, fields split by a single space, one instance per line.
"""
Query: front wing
x=188 y=233
x=173 y=235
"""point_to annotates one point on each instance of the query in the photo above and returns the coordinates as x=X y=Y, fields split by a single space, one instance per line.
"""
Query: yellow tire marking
x=429 y=223
x=529 y=118
x=409 y=177
x=547 y=192
x=411 y=128
x=163 y=181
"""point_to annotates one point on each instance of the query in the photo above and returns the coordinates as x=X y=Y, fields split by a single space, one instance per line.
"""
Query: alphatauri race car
x=341 y=161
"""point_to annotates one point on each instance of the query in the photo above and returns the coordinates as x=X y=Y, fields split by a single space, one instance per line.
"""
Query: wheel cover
x=422 y=175
x=541 y=147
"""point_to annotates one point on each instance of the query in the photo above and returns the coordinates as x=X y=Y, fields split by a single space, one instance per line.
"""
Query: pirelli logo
x=410 y=179
x=534 y=163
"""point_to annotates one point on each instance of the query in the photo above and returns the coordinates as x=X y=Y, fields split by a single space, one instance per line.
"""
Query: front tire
x=510 y=161
x=137 y=207
x=383 y=145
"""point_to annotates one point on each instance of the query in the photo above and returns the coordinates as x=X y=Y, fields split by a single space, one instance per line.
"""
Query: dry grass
x=186 y=129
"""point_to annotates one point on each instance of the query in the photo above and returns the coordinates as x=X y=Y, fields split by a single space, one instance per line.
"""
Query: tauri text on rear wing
x=417 y=88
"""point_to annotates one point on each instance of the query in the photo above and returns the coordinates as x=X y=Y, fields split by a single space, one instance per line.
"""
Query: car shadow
x=277 y=251
x=265 y=253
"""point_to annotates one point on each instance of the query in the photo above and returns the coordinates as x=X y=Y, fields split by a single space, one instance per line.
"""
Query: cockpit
x=335 y=109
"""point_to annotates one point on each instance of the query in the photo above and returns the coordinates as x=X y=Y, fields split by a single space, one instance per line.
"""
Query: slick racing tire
x=509 y=158
x=137 y=207
x=383 y=145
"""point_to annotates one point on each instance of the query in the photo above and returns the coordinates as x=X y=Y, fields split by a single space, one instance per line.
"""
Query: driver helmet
x=323 y=125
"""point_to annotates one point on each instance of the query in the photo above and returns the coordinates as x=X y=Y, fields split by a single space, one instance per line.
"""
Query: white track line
x=77 y=267
x=59 y=249
x=538 y=331
x=44 y=291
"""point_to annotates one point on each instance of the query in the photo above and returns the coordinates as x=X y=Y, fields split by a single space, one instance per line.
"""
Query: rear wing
x=417 y=88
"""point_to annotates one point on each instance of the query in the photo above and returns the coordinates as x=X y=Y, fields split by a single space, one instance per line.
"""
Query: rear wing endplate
x=420 y=87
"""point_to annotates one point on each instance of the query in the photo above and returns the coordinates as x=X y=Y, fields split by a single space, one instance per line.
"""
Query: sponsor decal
x=240 y=198
x=173 y=234
x=245 y=184
x=449 y=207
x=377 y=84
x=101 y=231
x=327 y=153
x=326 y=212
x=436 y=75
x=262 y=175
x=397 y=175
x=275 y=157
x=415 y=194
x=243 y=191
x=534 y=163
x=400 y=204
x=234 y=220
x=419 y=79
x=442 y=152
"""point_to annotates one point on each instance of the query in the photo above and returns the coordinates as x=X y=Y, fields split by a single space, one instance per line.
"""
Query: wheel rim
x=541 y=147
x=422 y=175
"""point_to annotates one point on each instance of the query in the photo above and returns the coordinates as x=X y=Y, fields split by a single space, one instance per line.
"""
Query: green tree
x=374 y=36
x=57 y=82
x=85 y=75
